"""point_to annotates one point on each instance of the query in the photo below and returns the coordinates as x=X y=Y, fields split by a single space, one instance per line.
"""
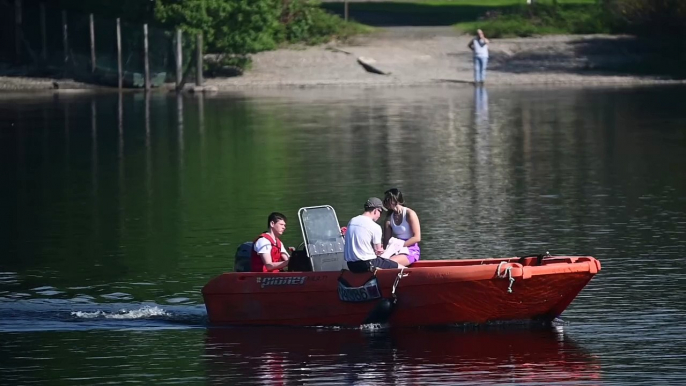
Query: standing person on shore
x=479 y=45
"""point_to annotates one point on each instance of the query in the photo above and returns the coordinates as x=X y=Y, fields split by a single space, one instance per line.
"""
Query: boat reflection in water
x=285 y=356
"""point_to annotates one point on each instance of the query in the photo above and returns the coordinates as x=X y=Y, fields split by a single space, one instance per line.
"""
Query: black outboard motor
x=382 y=311
x=242 y=261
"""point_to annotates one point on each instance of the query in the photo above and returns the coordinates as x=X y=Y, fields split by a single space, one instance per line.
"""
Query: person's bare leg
x=401 y=259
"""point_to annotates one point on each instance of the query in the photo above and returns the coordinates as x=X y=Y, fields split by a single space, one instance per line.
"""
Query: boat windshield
x=320 y=224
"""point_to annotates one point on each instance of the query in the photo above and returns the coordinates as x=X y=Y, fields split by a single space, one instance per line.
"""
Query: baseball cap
x=374 y=203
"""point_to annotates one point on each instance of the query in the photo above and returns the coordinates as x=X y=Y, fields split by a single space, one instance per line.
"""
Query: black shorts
x=366 y=265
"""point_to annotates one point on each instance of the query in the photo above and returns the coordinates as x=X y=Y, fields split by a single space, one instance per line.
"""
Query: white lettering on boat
x=275 y=281
x=369 y=291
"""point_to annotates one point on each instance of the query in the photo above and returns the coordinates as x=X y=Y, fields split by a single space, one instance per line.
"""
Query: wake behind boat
x=319 y=290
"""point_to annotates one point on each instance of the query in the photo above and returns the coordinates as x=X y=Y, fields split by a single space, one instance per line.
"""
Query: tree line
x=248 y=26
x=229 y=26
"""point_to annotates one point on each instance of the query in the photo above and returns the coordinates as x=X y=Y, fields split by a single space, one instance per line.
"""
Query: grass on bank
x=432 y=12
x=316 y=26
x=541 y=19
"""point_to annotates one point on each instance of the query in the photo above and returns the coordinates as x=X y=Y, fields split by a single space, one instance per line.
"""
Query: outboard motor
x=382 y=311
x=242 y=261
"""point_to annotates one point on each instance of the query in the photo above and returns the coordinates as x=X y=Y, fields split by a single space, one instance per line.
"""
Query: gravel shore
x=427 y=55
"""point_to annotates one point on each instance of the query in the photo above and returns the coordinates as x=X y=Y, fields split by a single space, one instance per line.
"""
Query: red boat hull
x=437 y=292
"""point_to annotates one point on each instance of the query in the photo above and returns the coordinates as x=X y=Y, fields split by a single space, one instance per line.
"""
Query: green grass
x=541 y=19
x=431 y=12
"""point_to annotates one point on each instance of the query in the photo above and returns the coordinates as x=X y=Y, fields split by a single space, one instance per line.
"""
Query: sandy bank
x=429 y=55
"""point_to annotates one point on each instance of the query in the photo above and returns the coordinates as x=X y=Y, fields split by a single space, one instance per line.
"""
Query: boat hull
x=438 y=292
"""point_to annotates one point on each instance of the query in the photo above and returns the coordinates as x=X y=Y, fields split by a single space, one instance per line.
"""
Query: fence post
x=119 y=66
x=179 y=59
x=199 y=62
x=92 y=27
x=346 y=10
x=65 y=37
x=146 y=58
x=17 y=30
x=43 y=33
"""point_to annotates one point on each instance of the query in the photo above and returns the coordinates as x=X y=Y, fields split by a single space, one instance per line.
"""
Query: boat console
x=323 y=240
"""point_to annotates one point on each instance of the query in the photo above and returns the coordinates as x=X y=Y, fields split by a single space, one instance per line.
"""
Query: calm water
x=116 y=210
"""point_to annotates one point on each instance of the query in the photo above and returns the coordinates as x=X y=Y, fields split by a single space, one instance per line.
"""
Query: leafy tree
x=229 y=26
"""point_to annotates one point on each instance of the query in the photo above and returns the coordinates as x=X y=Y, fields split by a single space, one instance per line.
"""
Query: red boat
x=319 y=291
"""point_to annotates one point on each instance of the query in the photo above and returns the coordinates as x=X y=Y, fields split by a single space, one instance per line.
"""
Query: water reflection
x=124 y=200
x=278 y=356
x=481 y=107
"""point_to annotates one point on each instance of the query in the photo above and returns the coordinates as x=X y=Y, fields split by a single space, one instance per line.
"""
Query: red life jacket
x=256 y=263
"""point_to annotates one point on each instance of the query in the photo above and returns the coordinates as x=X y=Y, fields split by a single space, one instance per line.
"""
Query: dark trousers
x=361 y=266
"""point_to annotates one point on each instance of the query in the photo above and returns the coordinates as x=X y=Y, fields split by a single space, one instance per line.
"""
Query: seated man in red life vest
x=268 y=253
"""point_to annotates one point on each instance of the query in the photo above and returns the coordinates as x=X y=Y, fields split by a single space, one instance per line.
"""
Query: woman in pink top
x=401 y=223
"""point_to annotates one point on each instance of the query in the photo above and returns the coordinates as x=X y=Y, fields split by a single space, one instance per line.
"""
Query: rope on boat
x=507 y=273
x=397 y=280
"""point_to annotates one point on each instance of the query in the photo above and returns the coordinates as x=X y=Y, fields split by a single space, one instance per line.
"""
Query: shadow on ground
x=385 y=14
x=592 y=56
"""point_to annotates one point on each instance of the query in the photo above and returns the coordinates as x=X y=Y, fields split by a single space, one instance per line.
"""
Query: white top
x=262 y=245
x=404 y=230
x=480 y=50
x=362 y=234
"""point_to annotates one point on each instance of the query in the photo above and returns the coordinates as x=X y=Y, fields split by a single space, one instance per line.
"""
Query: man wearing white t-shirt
x=269 y=254
x=363 y=243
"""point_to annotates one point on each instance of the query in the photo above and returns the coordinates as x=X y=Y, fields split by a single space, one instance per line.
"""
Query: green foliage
x=542 y=18
x=129 y=10
x=229 y=26
x=237 y=28
x=664 y=21
x=650 y=17
x=304 y=21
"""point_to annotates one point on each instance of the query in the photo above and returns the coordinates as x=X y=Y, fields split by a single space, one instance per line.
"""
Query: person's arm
x=284 y=253
x=267 y=260
x=471 y=45
x=387 y=231
x=264 y=250
x=378 y=249
x=486 y=40
x=377 y=240
x=413 y=220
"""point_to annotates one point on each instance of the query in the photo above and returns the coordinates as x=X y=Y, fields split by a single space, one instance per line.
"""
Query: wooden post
x=43 y=33
x=147 y=121
x=179 y=111
x=120 y=122
x=198 y=61
x=94 y=145
x=146 y=59
x=179 y=59
x=201 y=113
x=18 y=32
x=346 y=9
x=92 y=25
x=65 y=37
x=119 y=66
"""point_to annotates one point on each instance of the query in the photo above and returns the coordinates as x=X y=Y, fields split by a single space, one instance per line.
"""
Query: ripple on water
x=117 y=296
x=177 y=300
x=139 y=313
x=8 y=278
